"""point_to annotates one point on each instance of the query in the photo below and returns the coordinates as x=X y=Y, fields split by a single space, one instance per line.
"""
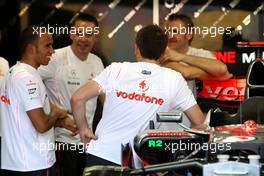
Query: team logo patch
x=139 y=97
x=74 y=83
x=30 y=83
x=143 y=86
x=146 y=72
x=32 y=91
x=73 y=73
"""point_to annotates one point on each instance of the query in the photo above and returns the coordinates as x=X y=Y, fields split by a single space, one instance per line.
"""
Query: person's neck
x=183 y=50
x=30 y=61
x=149 y=61
x=81 y=56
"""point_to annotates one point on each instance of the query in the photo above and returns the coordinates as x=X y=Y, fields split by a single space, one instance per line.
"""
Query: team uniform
x=4 y=67
x=64 y=74
x=24 y=149
x=135 y=92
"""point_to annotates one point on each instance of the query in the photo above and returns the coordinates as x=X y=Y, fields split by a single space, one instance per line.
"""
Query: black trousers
x=106 y=170
x=1 y=171
x=45 y=172
x=94 y=160
x=70 y=161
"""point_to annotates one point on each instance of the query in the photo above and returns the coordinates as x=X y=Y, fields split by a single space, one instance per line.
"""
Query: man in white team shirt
x=4 y=66
x=70 y=68
x=191 y=62
x=135 y=92
x=27 y=118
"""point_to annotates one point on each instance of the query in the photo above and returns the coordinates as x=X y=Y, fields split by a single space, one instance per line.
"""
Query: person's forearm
x=52 y=118
x=78 y=100
x=67 y=123
x=40 y=120
x=188 y=72
x=49 y=122
x=212 y=66
x=196 y=117
x=78 y=110
x=46 y=124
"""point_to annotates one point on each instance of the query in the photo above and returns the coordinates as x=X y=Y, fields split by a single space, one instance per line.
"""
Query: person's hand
x=68 y=124
x=226 y=77
x=165 y=57
x=56 y=112
x=87 y=135
x=171 y=55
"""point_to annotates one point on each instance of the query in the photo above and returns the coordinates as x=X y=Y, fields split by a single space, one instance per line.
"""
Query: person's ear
x=137 y=52
x=30 y=48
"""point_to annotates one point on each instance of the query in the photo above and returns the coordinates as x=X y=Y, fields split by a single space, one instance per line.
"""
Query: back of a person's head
x=151 y=41
x=184 y=18
x=86 y=17
x=30 y=35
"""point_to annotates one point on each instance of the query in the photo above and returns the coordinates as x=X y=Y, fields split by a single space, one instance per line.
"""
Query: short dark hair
x=188 y=23
x=184 y=18
x=30 y=35
x=85 y=17
x=151 y=41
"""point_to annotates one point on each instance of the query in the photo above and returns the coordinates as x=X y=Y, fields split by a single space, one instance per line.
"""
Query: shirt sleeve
x=99 y=66
x=3 y=69
x=28 y=89
x=183 y=97
x=107 y=79
x=102 y=78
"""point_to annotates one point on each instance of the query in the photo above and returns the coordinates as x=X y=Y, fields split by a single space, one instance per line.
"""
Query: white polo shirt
x=23 y=147
x=135 y=92
x=64 y=74
x=4 y=67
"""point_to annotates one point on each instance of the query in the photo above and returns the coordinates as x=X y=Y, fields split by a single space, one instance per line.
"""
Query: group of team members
x=52 y=95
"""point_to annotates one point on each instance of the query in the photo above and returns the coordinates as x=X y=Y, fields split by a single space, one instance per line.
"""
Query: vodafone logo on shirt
x=143 y=87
